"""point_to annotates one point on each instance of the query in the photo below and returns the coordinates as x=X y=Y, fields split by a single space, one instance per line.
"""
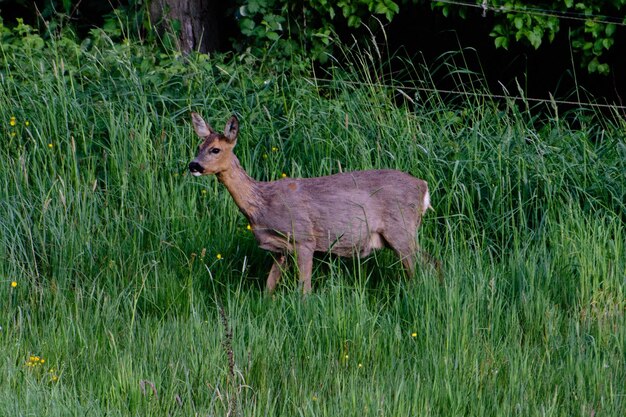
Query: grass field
x=130 y=288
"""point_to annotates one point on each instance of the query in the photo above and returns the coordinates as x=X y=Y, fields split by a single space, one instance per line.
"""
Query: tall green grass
x=114 y=247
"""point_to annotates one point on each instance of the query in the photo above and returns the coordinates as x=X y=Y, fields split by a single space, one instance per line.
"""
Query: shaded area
x=548 y=69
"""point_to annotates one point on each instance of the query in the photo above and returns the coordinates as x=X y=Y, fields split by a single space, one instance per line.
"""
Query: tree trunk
x=195 y=22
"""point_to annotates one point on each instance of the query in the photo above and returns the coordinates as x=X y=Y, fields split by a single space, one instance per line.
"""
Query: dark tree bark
x=199 y=21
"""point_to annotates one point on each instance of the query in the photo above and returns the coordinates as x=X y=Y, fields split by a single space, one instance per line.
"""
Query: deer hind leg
x=274 y=276
x=408 y=262
x=404 y=246
x=407 y=256
x=407 y=252
x=305 y=267
x=429 y=259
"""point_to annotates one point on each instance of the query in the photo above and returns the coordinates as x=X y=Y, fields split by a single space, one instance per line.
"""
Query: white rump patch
x=196 y=174
x=426 y=203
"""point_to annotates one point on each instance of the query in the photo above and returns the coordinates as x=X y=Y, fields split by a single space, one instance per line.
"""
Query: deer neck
x=242 y=188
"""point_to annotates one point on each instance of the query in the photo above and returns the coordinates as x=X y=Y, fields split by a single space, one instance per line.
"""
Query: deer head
x=215 y=153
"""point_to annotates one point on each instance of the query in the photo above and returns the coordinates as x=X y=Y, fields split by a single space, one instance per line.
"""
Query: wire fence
x=485 y=7
x=565 y=15
x=551 y=101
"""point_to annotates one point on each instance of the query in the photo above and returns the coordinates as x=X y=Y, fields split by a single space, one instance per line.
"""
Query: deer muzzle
x=195 y=168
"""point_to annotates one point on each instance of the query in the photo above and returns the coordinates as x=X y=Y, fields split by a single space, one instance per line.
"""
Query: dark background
x=422 y=35
x=548 y=69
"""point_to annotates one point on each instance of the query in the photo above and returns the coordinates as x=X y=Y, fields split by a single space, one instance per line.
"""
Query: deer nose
x=195 y=168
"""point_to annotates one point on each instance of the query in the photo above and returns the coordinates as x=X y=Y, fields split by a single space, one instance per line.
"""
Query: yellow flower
x=264 y=156
x=274 y=149
x=219 y=256
x=26 y=123
x=203 y=191
x=13 y=121
x=50 y=145
x=248 y=227
x=413 y=334
x=283 y=175
x=13 y=284
x=360 y=365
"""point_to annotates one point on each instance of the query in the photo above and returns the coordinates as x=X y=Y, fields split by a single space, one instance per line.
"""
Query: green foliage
x=303 y=27
x=22 y=36
x=289 y=26
x=593 y=25
x=120 y=19
x=297 y=29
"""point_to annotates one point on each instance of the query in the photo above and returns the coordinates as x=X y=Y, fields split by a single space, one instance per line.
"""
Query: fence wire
x=565 y=15
x=402 y=90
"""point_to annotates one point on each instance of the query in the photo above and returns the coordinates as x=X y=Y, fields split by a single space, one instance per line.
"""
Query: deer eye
x=215 y=151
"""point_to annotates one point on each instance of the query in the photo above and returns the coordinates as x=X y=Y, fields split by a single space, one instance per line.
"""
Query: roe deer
x=342 y=213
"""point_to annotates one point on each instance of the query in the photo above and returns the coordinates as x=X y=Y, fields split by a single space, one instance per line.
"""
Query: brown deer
x=346 y=213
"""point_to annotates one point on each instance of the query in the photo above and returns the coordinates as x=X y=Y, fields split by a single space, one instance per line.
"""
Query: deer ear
x=200 y=126
x=231 y=129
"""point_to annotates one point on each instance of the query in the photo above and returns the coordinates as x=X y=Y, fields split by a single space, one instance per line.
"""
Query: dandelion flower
x=50 y=145
x=283 y=175
x=360 y=365
x=26 y=123
x=274 y=149
x=219 y=256
x=248 y=227
x=413 y=334
x=13 y=121
x=13 y=284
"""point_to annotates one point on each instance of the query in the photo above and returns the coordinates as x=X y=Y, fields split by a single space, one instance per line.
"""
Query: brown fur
x=347 y=213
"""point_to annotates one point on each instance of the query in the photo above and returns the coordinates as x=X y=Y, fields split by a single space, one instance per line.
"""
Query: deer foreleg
x=274 y=276
x=305 y=267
